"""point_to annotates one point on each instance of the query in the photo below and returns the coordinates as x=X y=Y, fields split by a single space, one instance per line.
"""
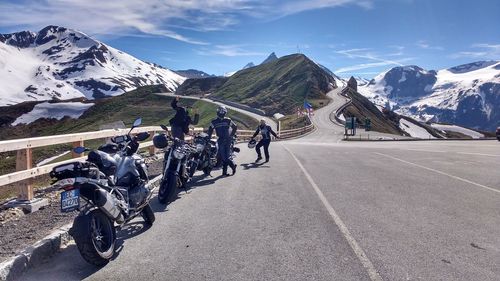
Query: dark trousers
x=225 y=154
x=263 y=143
x=177 y=132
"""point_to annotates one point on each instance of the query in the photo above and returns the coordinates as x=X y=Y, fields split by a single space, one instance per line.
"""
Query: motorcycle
x=205 y=156
x=176 y=165
x=111 y=186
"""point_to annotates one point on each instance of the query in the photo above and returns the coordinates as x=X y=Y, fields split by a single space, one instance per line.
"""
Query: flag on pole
x=308 y=107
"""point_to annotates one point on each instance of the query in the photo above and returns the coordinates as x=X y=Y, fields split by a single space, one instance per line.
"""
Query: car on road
x=498 y=133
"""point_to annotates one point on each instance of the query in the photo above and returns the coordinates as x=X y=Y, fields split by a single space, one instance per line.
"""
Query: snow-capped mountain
x=61 y=63
x=192 y=73
x=467 y=95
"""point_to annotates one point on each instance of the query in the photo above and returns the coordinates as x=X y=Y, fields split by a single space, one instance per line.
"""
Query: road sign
x=368 y=124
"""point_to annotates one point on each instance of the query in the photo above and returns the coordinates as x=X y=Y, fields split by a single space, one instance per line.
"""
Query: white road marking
x=367 y=264
x=480 y=154
x=440 y=172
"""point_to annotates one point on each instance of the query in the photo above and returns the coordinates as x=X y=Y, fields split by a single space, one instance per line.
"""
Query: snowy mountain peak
x=471 y=66
x=61 y=63
x=466 y=95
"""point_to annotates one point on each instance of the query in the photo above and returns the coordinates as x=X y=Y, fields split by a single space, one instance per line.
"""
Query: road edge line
x=439 y=172
x=358 y=251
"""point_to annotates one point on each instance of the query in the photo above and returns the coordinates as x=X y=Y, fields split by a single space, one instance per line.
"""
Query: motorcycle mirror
x=79 y=150
x=164 y=127
x=137 y=122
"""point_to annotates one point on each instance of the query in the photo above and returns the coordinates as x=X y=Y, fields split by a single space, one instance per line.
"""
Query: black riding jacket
x=266 y=131
x=221 y=127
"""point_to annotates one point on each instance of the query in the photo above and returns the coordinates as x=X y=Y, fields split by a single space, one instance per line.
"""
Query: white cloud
x=480 y=51
x=367 y=54
x=152 y=17
x=229 y=51
x=424 y=45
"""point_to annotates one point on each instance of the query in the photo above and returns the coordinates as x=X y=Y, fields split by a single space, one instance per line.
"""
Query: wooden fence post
x=24 y=161
x=152 y=149
x=77 y=144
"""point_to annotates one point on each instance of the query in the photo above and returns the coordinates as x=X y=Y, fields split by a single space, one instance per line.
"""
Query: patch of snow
x=403 y=77
x=453 y=128
x=53 y=110
x=414 y=130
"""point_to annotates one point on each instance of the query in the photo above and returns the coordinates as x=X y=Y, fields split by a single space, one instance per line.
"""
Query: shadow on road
x=198 y=181
x=252 y=165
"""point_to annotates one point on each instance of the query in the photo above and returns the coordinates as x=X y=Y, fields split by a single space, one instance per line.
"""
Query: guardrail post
x=152 y=149
x=24 y=161
x=77 y=144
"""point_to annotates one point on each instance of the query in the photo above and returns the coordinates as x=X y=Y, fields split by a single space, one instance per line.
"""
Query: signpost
x=368 y=124
x=350 y=126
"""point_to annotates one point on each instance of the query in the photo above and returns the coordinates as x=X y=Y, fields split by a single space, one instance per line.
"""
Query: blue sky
x=350 y=37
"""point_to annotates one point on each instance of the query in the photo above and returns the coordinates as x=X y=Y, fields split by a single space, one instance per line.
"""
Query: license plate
x=70 y=200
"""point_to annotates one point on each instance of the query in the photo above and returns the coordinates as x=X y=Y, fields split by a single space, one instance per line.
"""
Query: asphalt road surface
x=321 y=209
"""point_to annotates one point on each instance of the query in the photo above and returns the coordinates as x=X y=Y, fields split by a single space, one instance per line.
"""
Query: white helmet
x=221 y=111
x=252 y=143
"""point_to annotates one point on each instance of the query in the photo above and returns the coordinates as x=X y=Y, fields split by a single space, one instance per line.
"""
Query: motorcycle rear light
x=68 y=187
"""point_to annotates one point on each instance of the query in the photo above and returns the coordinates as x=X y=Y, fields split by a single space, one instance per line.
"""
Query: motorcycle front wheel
x=95 y=237
x=168 y=188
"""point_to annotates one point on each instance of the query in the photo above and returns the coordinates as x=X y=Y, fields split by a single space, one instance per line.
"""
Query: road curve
x=256 y=116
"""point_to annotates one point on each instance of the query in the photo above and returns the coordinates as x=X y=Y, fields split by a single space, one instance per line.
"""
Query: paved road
x=322 y=210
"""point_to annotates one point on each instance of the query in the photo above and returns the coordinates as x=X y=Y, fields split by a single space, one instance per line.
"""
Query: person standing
x=181 y=120
x=225 y=129
x=266 y=131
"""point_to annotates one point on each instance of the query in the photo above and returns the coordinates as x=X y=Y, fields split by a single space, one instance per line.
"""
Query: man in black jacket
x=181 y=121
x=266 y=131
x=225 y=129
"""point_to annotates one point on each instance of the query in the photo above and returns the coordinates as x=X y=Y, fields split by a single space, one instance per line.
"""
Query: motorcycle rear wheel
x=95 y=237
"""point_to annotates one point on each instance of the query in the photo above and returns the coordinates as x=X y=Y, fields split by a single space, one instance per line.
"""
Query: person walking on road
x=181 y=121
x=266 y=131
x=225 y=129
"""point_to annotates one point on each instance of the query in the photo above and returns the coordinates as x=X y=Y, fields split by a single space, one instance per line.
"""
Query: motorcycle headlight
x=179 y=154
x=200 y=147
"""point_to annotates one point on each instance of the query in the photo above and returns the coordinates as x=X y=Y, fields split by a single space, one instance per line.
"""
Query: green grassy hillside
x=278 y=86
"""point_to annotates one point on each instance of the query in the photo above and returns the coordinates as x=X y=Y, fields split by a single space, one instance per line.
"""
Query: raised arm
x=174 y=103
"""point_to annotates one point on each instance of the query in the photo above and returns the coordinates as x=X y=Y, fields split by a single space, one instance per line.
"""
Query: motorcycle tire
x=168 y=188
x=148 y=215
x=207 y=171
x=95 y=237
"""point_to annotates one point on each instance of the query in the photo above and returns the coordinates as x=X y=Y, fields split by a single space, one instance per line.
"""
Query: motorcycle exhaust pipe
x=107 y=204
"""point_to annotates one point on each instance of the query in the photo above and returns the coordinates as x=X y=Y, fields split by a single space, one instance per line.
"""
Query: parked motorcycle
x=205 y=156
x=112 y=185
x=176 y=165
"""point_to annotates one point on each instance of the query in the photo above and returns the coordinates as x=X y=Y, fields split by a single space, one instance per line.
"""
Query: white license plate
x=70 y=200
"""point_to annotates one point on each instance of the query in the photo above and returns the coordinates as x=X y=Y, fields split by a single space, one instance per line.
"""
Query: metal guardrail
x=25 y=171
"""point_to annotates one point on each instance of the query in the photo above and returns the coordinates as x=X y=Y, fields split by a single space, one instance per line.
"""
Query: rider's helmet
x=160 y=141
x=221 y=111
x=252 y=143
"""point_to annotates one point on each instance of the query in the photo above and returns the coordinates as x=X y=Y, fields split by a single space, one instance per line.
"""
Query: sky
x=350 y=37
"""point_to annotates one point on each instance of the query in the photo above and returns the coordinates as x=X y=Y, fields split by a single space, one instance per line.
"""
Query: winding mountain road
x=321 y=209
